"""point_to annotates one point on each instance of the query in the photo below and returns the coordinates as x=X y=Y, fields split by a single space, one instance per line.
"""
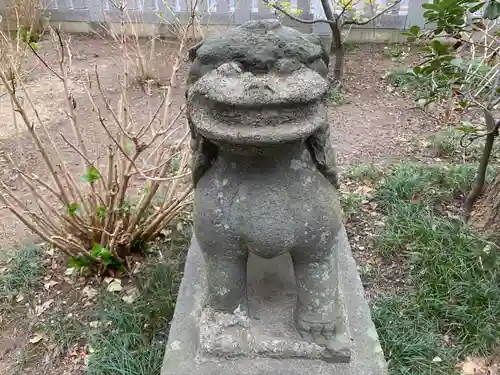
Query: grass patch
x=453 y=307
x=422 y=184
x=63 y=329
x=22 y=273
x=123 y=337
x=367 y=173
x=351 y=203
x=132 y=336
x=336 y=96
x=410 y=341
x=446 y=144
x=124 y=330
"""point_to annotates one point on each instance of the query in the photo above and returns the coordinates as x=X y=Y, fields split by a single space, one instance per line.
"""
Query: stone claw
x=323 y=334
x=320 y=333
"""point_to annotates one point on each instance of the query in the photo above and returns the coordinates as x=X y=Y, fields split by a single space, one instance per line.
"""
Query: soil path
x=375 y=125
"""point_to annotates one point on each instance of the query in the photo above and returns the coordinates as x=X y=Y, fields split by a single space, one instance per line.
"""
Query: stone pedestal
x=205 y=342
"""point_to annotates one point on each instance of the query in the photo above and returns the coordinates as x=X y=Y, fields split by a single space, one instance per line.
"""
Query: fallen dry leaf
x=474 y=366
x=137 y=268
x=364 y=190
x=50 y=284
x=37 y=337
x=43 y=307
x=415 y=198
x=115 y=286
x=131 y=296
x=70 y=271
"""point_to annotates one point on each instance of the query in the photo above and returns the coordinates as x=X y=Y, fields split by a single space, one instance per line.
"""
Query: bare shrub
x=27 y=14
x=101 y=217
x=141 y=50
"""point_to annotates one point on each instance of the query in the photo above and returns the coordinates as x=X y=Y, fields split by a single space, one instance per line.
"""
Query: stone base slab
x=192 y=346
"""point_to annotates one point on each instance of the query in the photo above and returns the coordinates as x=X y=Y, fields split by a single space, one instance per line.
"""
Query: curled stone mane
x=257 y=46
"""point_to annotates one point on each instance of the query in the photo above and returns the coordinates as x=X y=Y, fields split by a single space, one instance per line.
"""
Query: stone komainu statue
x=263 y=166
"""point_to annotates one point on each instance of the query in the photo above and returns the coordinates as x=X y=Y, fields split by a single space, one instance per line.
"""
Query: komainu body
x=263 y=166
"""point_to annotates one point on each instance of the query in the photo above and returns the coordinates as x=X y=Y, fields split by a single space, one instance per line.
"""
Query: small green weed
x=63 y=330
x=397 y=52
x=402 y=79
x=336 y=96
x=367 y=173
x=423 y=87
x=23 y=273
x=445 y=143
x=349 y=46
x=351 y=202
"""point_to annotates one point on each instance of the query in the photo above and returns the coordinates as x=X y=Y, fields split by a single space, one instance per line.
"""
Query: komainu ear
x=315 y=38
x=204 y=155
x=323 y=154
x=192 y=51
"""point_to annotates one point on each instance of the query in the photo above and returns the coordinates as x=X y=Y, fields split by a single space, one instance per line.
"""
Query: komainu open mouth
x=244 y=107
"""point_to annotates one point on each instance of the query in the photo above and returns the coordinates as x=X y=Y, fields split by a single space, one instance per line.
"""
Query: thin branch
x=354 y=22
x=332 y=22
x=153 y=222
x=85 y=157
x=108 y=106
x=37 y=140
x=146 y=128
x=33 y=227
x=345 y=9
x=87 y=160
x=45 y=63
x=272 y=4
x=72 y=187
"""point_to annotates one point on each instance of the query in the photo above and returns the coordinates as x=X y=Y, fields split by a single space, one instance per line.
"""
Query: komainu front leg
x=316 y=311
x=227 y=282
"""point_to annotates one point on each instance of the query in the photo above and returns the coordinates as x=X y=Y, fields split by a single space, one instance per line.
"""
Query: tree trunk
x=477 y=189
x=486 y=215
x=337 y=43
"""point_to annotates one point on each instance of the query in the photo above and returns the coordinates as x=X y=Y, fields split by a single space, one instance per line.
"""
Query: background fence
x=221 y=12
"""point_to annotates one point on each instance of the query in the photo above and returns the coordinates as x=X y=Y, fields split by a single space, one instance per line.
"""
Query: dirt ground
x=374 y=125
